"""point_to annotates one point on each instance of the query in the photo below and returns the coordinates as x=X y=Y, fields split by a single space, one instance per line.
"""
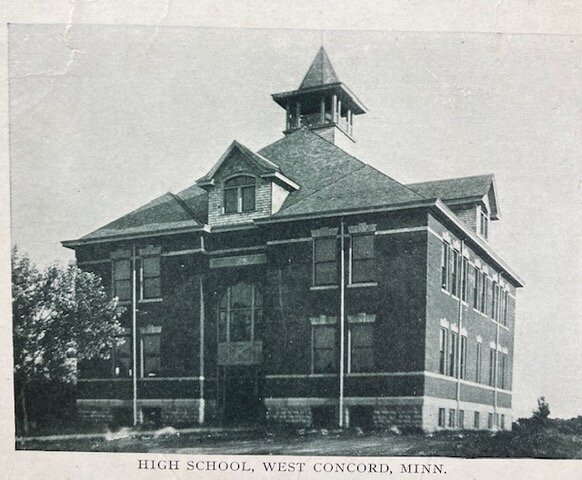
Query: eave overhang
x=341 y=89
x=132 y=236
x=437 y=206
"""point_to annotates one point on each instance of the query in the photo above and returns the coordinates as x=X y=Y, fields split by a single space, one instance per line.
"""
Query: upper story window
x=450 y=268
x=151 y=285
x=148 y=277
x=464 y=279
x=240 y=314
x=122 y=279
x=362 y=268
x=325 y=261
x=240 y=194
x=483 y=222
x=504 y=306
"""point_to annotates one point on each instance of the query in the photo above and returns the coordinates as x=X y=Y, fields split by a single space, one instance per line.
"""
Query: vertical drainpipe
x=201 y=353
x=134 y=332
x=342 y=325
x=495 y=419
x=460 y=318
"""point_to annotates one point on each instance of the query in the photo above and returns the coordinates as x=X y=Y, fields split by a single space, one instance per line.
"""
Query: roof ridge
x=313 y=192
x=394 y=180
x=453 y=178
x=184 y=205
x=246 y=150
x=364 y=163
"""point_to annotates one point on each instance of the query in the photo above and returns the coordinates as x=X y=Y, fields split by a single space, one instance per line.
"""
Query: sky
x=105 y=118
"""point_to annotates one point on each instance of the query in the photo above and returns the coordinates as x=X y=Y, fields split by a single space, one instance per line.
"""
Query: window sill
x=323 y=287
x=362 y=285
x=150 y=300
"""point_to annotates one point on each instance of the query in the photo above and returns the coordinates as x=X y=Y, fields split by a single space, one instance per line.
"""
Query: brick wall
x=467 y=213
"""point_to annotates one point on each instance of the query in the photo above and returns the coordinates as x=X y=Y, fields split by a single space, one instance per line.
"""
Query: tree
x=60 y=316
x=542 y=412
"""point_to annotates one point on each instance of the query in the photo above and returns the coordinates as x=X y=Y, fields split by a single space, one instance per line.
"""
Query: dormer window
x=240 y=194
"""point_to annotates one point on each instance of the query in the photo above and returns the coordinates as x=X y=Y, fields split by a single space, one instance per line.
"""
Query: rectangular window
x=122 y=279
x=491 y=367
x=462 y=419
x=230 y=200
x=479 y=356
x=324 y=349
x=502 y=375
x=463 y=359
x=477 y=421
x=494 y=291
x=151 y=278
x=464 y=280
x=239 y=194
x=490 y=421
x=502 y=422
x=454 y=284
x=476 y=277
x=443 y=351
x=453 y=355
x=483 y=301
x=361 y=347
x=325 y=261
x=363 y=265
x=248 y=198
x=445 y=267
x=452 y=415
x=442 y=418
x=150 y=354
x=504 y=311
x=121 y=356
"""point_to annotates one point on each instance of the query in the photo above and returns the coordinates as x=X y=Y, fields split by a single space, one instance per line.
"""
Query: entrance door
x=242 y=396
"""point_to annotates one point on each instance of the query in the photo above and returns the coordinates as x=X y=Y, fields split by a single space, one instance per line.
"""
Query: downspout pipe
x=134 y=332
x=201 y=402
x=495 y=379
x=460 y=322
x=342 y=324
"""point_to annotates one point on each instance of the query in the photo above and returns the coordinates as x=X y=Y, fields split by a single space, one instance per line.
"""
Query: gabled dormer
x=472 y=199
x=243 y=186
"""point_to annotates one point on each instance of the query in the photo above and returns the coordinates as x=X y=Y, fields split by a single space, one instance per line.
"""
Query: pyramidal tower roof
x=320 y=72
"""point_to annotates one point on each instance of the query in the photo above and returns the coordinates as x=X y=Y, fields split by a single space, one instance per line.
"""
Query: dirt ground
x=314 y=443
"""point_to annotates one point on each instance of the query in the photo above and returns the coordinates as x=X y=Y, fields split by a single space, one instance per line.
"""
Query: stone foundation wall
x=397 y=416
x=300 y=413
x=173 y=412
x=289 y=415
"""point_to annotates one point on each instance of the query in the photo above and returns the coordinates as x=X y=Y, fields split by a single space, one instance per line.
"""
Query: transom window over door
x=240 y=314
x=240 y=194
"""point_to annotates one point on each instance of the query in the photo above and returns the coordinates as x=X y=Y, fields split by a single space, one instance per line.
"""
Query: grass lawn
x=516 y=444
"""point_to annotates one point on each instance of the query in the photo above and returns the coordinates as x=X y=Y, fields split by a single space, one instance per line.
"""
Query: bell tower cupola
x=322 y=103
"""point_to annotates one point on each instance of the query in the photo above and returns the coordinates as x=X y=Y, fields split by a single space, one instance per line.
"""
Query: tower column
x=322 y=110
x=334 y=108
